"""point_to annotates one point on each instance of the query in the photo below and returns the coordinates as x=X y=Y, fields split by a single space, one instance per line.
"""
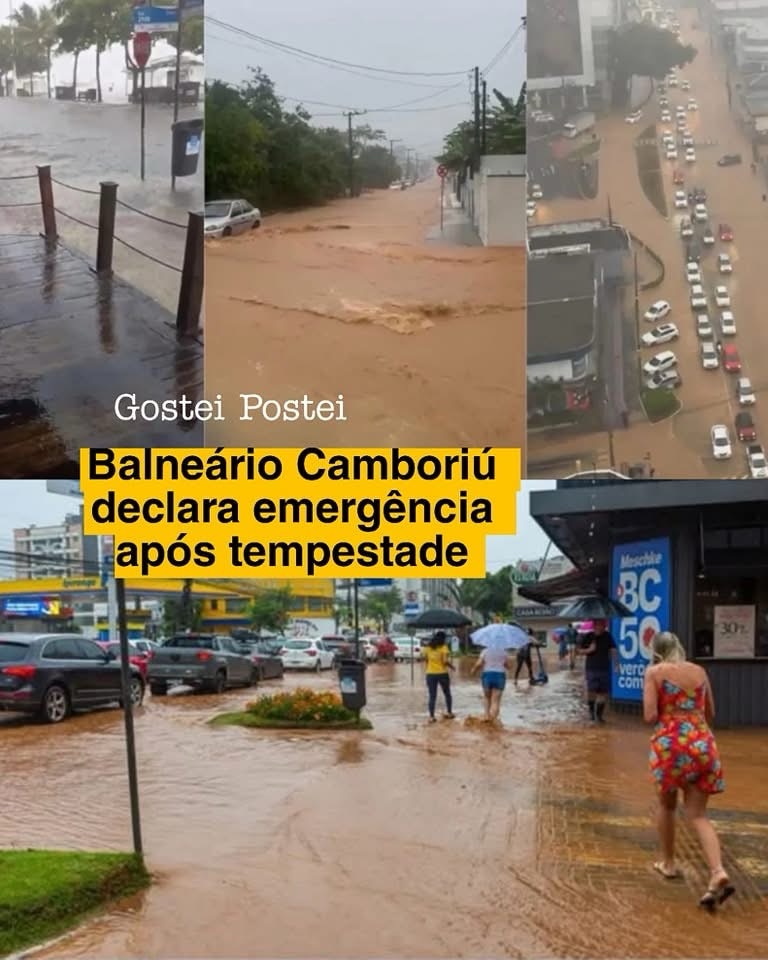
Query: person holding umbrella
x=497 y=639
x=437 y=657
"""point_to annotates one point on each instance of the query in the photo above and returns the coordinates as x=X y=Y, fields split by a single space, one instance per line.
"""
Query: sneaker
x=450 y=716
x=433 y=719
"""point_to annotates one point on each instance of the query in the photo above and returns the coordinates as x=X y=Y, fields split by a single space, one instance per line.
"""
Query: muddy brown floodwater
x=410 y=841
x=425 y=340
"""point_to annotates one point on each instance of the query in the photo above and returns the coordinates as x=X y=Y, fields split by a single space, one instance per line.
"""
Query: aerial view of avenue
x=648 y=180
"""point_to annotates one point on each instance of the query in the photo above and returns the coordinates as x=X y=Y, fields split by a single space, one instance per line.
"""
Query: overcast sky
x=24 y=502
x=430 y=36
x=113 y=79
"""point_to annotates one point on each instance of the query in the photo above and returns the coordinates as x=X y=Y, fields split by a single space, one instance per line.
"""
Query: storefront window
x=730 y=616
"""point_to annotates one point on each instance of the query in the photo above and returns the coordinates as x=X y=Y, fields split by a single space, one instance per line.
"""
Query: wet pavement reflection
x=355 y=298
x=86 y=143
x=70 y=343
x=411 y=840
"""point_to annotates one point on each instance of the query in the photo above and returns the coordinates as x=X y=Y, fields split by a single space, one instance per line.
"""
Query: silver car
x=225 y=218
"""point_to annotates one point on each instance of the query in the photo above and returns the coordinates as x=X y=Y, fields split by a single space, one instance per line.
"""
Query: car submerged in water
x=225 y=218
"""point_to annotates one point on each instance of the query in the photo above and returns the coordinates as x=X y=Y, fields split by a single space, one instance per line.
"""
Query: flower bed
x=301 y=709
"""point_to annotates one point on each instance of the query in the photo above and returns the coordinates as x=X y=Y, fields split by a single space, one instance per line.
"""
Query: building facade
x=691 y=557
x=62 y=540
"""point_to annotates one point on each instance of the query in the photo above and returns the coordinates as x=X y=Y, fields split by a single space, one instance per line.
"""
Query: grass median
x=44 y=893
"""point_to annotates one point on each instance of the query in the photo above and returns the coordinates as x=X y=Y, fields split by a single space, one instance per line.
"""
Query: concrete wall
x=495 y=201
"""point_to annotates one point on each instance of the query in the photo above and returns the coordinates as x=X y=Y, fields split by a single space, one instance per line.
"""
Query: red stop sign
x=142 y=47
x=442 y=171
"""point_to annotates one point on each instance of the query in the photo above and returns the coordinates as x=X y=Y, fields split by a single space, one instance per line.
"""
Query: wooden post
x=106 y=242
x=191 y=292
x=46 y=202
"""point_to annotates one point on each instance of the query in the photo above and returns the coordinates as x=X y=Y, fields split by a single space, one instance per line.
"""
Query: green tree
x=178 y=616
x=7 y=57
x=641 y=49
x=111 y=23
x=192 y=36
x=381 y=607
x=28 y=41
x=489 y=597
x=74 y=30
x=505 y=133
x=270 y=610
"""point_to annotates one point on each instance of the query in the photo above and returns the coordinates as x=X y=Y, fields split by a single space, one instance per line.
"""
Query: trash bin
x=186 y=146
x=352 y=684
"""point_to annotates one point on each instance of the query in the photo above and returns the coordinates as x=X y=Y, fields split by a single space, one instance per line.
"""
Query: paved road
x=412 y=840
x=680 y=447
x=88 y=143
x=423 y=338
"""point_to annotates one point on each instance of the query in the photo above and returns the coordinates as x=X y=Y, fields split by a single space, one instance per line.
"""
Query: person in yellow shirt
x=437 y=658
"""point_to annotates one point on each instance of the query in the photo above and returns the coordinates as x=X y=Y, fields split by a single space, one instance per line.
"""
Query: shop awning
x=571 y=584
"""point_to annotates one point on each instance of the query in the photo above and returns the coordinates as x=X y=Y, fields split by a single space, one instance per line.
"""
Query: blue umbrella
x=500 y=636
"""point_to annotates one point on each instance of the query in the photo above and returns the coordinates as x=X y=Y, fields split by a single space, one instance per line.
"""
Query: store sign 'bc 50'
x=640 y=579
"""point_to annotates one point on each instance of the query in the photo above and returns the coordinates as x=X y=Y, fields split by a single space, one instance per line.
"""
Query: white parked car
x=698 y=297
x=686 y=228
x=692 y=104
x=758 y=465
x=745 y=392
x=536 y=192
x=681 y=200
x=666 y=116
x=688 y=140
x=657 y=311
x=306 y=655
x=682 y=125
x=722 y=297
x=692 y=272
x=664 y=333
x=708 y=238
x=700 y=214
x=671 y=152
x=724 y=263
x=406 y=648
x=530 y=209
x=690 y=155
x=225 y=218
x=661 y=361
x=704 y=329
x=665 y=380
x=727 y=324
x=721 y=442
x=684 y=84
x=680 y=110
x=634 y=117
x=668 y=139
x=709 y=356
x=672 y=80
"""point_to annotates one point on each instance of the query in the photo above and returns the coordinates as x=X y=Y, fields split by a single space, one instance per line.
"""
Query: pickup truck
x=203 y=661
x=758 y=465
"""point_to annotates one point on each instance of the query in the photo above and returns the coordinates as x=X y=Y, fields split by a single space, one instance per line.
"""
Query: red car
x=135 y=656
x=678 y=177
x=726 y=233
x=745 y=427
x=385 y=647
x=731 y=360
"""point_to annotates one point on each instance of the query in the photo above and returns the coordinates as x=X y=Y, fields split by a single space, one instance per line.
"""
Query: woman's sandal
x=717 y=894
x=661 y=868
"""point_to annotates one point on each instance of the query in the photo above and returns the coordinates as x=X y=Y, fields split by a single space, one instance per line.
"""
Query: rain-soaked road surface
x=424 y=340
x=70 y=343
x=412 y=840
x=85 y=144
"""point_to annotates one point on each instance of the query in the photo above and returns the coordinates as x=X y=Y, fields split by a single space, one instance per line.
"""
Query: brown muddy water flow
x=409 y=841
x=424 y=339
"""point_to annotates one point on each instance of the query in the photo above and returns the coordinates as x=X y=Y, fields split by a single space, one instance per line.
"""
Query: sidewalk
x=70 y=343
x=458 y=230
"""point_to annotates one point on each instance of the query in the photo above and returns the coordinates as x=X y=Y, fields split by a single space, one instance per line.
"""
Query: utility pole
x=392 y=146
x=477 y=118
x=349 y=114
x=484 y=137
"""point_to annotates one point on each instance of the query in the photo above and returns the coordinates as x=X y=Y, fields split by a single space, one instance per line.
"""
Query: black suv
x=729 y=160
x=53 y=674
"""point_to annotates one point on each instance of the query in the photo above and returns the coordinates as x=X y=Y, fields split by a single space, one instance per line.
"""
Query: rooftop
x=561 y=310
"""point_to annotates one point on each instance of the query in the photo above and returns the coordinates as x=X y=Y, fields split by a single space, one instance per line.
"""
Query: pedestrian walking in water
x=600 y=654
x=437 y=657
x=677 y=699
x=524 y=658
x=494 y=679
x=572 y=638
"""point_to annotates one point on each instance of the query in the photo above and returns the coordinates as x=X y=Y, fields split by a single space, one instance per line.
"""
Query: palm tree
x=74 y=31
x=29 y=43
x=48 y=36
x=7 y=57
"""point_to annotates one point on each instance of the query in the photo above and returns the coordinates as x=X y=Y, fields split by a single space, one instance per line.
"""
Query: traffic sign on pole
x=442 y=171
x=142 y=47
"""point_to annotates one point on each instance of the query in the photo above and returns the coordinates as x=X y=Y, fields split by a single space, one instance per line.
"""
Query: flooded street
x=86 y=143
x=412 y=840
x=361 y=298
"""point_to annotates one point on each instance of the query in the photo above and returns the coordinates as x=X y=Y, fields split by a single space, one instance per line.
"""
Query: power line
x=507 y=46
x=330 y=66
x=345 y=63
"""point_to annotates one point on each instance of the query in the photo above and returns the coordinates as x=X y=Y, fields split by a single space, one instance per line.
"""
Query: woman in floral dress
x=677 y=699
